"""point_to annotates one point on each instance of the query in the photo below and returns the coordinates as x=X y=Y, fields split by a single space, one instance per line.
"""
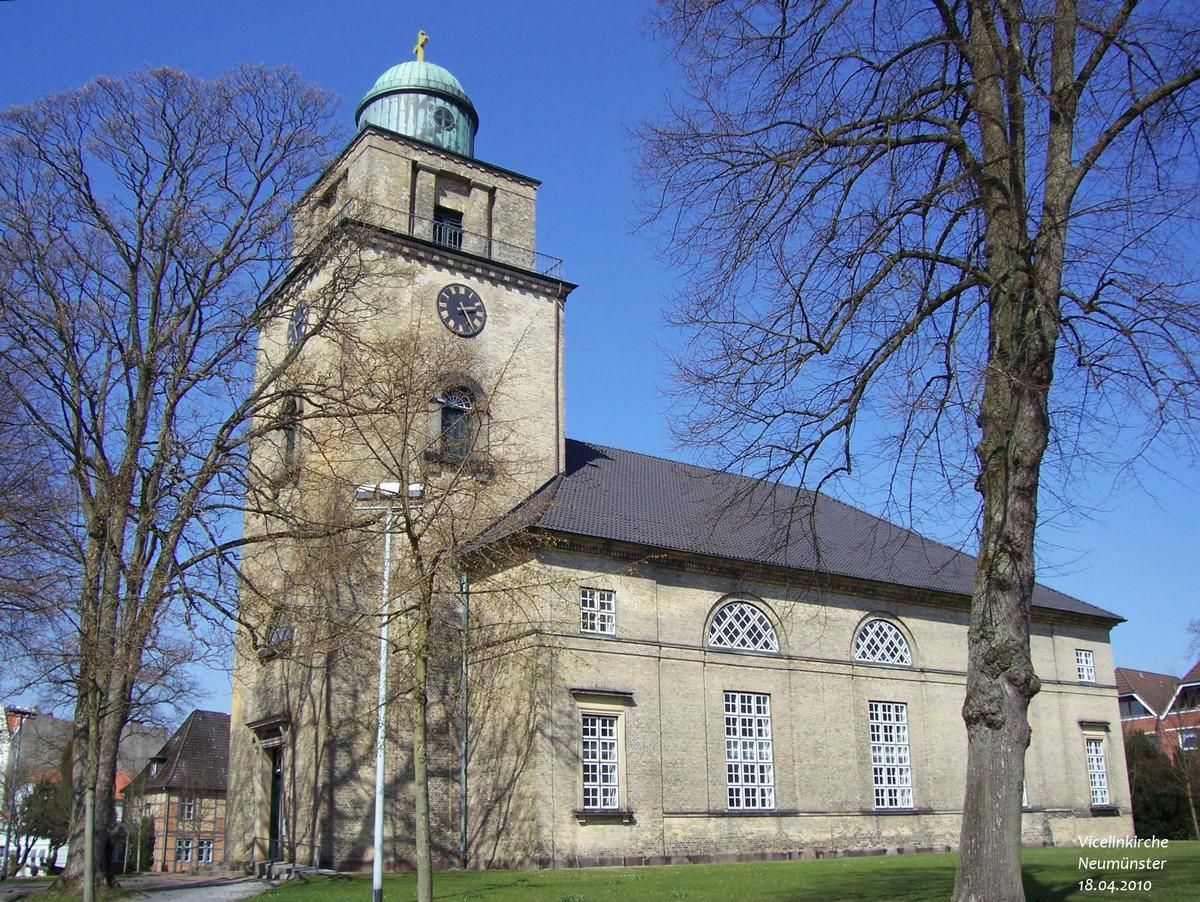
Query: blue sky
x=558 y=86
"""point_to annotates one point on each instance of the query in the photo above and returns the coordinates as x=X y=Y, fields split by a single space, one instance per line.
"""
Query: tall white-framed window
x=1097 y=770
x=204 y=851
x=1085 y=665
x=749 y=763
x=1189 y=739
x=891 y=765
x=740 y=625
x=598 y=611
x=600 y=753
x=183 y=850
x=603 y=793
x=880 y=642
x=187 y=808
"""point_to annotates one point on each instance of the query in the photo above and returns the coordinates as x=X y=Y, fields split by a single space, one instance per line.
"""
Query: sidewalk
x=185 y=888
x=20 y=888
x=160 y=888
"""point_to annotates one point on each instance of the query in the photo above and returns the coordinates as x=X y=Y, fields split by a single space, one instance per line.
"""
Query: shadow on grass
x=1037 y=891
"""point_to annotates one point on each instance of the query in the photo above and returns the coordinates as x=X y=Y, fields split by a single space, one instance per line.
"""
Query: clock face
x=461 y=310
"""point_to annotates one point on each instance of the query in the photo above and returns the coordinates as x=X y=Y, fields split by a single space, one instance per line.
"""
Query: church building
x=665 y=664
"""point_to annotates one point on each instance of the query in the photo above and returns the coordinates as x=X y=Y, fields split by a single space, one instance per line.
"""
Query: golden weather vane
x=419 y=49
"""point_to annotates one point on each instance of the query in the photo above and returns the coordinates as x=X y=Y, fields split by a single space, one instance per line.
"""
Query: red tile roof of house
x=1154 y=690
x=1192 y=676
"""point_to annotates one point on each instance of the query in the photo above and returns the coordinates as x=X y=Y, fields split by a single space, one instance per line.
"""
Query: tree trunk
x=1025 y=279
x=95 y=767
x=1000 y=676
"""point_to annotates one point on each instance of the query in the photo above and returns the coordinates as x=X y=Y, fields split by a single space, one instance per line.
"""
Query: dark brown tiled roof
x=196 y=757
x=1155 y=690
x=623 y=496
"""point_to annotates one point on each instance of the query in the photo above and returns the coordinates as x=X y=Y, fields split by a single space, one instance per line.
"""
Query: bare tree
x=910 y=221
x=144 y=240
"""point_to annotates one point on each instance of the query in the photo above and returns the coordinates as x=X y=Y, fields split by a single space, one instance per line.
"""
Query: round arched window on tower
x=458 y=422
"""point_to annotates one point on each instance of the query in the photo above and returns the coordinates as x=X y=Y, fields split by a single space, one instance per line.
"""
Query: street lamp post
x=388 y=491
x=464 y=600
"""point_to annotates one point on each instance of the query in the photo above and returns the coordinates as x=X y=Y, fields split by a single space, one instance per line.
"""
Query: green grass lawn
x=1051 y=875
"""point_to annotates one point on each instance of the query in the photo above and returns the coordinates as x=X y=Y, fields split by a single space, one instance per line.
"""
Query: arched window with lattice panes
x=742 y=626
x=880 y=642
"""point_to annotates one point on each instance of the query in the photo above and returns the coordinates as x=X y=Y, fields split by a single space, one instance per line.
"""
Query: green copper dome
x=424 y=101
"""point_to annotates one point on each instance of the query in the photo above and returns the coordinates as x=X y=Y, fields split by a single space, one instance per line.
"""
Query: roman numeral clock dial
x=461 y=310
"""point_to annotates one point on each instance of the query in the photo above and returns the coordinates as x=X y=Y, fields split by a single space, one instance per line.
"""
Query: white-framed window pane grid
x=881 y=642
x=183 y=850
x=1189 y=739
x=743 y=626
x=187 y=809
x=749 y=767
x=597 y=611
x=1097 y=771
x=599 y=733
x=1085 y=666
x=891 y=766
x=204 y=851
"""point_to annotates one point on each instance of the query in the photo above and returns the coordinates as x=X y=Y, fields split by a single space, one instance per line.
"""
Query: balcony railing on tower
x=441 y=231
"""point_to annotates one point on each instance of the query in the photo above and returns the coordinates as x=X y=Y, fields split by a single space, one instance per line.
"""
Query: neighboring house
x=43 y=742
x=16 y=764
x=717 y=665
x=1164 y=707
x=180 y=798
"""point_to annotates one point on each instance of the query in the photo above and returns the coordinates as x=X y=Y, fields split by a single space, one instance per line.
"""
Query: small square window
x=1189 y=739
x=1085 y=665
x=598 y=611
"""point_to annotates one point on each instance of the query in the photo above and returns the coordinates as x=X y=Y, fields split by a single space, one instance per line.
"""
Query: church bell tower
x=465 y=231
x=407 y=242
